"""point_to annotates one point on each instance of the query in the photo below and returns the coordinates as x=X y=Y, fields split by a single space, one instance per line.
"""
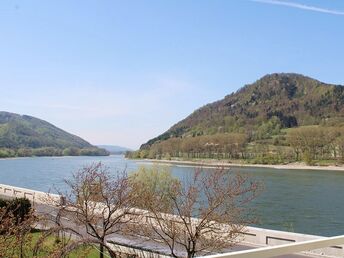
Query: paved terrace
x=254 y=238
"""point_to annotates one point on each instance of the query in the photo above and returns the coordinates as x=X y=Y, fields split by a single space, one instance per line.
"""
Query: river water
x=302 y=201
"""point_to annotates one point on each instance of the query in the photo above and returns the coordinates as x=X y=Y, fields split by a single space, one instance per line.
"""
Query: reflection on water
x=293 y=200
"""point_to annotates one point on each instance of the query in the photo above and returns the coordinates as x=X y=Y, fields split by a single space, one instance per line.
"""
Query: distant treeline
x=51 y=151
x=271 y=145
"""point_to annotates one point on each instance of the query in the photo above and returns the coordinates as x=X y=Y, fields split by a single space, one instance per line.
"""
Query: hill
x=114 y=149
x=22 y=135
x=257 y=113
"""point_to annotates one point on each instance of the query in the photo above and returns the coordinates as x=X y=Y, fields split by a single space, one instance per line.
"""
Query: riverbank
x=213 y=164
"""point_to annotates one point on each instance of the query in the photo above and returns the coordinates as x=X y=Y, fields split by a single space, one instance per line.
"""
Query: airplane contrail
x=300 y=6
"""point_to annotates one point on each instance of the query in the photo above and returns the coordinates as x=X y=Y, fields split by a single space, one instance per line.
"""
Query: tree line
x=317 y=143
x=51 y=151
x=268 y=144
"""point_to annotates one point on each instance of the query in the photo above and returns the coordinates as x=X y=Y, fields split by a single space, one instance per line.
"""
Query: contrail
x=300 y=6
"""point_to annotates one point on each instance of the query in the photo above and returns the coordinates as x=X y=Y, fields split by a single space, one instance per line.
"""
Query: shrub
x=3 y=203
x=308 y=158
x=19 y=208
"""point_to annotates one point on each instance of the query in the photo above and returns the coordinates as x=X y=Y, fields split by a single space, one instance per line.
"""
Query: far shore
x=214 y=164
x=56 y=157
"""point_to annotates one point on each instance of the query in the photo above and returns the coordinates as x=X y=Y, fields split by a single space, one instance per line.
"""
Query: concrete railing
x=285 y=249
x=261 y=237
x=10 y=192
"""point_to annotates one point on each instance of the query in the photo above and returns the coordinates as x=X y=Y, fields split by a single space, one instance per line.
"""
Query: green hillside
x=253 y=122
x=22 y=135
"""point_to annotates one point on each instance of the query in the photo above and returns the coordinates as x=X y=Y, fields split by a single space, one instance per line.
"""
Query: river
x=302 y=201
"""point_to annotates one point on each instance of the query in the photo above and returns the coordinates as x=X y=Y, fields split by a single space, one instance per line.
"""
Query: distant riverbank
x=228 y=165
x=52 y=152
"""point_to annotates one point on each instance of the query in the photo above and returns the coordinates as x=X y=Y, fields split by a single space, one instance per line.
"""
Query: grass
x=327 y=162
x=50 y=244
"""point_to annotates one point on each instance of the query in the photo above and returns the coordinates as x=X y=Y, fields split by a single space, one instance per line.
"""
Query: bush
x=6 y=153
x=19 y=207
x=3 y=203
x=308 y=158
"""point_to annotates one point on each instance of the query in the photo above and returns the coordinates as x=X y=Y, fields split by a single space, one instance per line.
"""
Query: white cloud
x=300 y=6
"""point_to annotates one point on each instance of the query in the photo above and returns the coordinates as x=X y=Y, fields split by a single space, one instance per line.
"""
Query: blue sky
x=122 y=72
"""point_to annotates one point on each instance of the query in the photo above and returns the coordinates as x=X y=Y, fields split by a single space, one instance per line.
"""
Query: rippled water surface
x=305 y=201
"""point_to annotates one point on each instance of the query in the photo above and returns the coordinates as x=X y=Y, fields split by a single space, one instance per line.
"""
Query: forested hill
x=22 y=135
x=280 y=118
x=294 y=99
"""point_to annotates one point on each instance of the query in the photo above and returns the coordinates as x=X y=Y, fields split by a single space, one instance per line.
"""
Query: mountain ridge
x=114 y=149
x=295 y=99
x=24 y=135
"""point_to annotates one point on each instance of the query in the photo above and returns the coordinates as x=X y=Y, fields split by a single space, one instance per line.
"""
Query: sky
x=122 y=72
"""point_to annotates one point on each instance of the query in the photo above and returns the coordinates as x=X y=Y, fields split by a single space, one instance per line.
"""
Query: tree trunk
x=101 y=251
x=21 y=247
x=190 y=254
x=21 y=250
x=112 y=253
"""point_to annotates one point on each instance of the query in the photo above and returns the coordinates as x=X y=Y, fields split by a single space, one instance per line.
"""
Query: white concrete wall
x=10 y=192
x=267 y=237
x=284 y=250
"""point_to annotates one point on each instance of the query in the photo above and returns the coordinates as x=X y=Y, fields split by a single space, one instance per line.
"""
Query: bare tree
x=204 y=214
x=97 y=205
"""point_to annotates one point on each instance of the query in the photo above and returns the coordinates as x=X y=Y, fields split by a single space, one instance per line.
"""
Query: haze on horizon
x=122 y=72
